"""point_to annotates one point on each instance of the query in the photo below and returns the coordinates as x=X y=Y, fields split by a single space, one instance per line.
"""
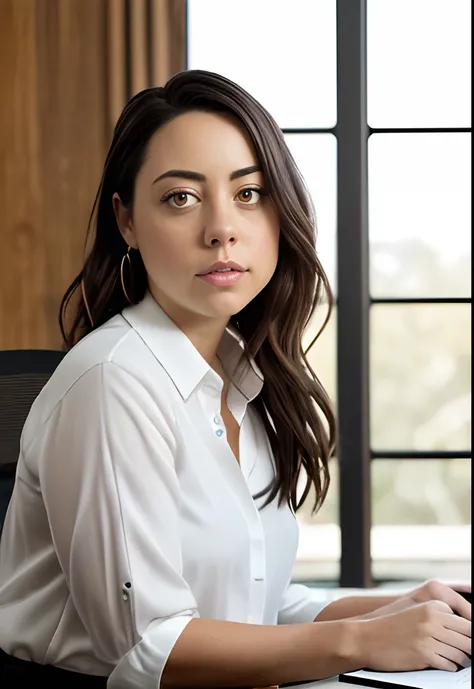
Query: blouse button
x=217 y=420
x=219 y=432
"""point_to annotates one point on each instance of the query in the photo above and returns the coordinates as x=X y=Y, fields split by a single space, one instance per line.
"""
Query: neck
x=204 y=333
x=205 y=337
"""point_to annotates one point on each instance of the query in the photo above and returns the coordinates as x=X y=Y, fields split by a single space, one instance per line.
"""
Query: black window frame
x=354 y=300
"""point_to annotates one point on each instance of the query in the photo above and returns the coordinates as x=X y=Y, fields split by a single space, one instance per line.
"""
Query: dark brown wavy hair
x=293 y=405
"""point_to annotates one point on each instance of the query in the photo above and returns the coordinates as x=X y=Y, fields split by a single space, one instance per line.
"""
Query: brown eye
x=249 y=196
x=181 y=200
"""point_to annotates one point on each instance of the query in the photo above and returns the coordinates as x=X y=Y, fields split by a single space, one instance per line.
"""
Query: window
x=419 y=170
x=270 y=49
x=388 y=167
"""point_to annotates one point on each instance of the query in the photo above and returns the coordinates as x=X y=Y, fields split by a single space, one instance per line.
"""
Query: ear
x=124 y=221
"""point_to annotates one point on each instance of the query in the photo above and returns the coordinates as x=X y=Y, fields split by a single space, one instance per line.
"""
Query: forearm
x=353 y=606
x=210 y=653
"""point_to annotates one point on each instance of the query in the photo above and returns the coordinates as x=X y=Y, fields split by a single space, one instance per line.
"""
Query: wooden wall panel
x=67 y=68
x=53 y=138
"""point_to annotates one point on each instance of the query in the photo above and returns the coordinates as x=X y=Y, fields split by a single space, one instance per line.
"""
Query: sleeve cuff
x=143 y=666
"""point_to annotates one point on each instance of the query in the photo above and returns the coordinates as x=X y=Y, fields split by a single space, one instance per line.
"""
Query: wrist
x=332 y=648
x=352 y=643
x=358 y=641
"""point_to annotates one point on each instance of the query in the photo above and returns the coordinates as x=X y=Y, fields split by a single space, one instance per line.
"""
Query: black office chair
x=22 y=375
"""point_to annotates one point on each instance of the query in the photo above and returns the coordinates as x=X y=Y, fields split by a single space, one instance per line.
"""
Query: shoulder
x=112 y=360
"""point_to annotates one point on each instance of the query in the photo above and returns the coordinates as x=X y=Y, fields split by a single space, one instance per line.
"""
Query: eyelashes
x=179 y=199
x=252 y=191
x=182 y=198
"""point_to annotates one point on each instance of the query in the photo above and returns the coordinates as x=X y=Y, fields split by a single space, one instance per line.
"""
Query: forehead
x=202 y=142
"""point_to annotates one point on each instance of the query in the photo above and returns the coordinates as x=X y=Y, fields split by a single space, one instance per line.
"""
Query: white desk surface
x=326 y=684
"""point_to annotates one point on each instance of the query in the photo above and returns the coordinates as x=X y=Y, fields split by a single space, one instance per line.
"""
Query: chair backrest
x=23 y=373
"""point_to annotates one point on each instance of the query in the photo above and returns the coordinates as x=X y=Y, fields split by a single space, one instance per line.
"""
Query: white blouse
x=130 y=515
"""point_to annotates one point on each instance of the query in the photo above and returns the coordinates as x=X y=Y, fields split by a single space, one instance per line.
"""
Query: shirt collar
x=179 y=357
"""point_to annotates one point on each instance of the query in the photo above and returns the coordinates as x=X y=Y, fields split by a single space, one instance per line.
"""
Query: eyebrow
x=199 y=177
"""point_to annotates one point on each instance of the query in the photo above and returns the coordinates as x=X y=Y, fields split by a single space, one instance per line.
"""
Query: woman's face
x=200 y=201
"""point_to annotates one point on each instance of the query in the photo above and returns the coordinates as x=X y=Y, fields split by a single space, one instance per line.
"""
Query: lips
x=224 y=278
x=223 y=267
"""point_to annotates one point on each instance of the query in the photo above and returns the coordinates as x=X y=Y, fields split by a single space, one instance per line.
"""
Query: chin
x=226 y=306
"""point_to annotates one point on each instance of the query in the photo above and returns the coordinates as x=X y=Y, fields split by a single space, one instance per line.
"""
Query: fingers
x=438 y=662
x=451 y=596
x=457 y=624
x=452 y=648
x=452 y=655
x=455 y=640
x=458 y=603
x=439 y=606
x=456 y=632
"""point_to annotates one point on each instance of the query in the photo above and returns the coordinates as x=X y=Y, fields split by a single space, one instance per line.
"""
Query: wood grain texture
x=67 y=68
x=53 y=139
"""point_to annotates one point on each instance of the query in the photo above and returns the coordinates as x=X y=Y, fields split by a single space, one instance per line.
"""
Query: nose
x=220 y=227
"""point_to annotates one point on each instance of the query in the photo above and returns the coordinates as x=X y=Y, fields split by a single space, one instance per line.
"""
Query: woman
x=151 y=535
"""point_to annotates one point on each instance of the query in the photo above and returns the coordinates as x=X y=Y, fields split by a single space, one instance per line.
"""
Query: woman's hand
x=424 y=635
x=429 y=591
x=436 y=590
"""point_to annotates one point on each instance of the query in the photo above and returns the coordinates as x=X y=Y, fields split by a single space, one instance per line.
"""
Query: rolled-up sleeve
x=110 y=488
x=301 y=604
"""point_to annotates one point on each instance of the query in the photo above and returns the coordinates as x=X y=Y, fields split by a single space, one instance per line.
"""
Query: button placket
x=211 y=407
x=258 y=584
x=217 y=421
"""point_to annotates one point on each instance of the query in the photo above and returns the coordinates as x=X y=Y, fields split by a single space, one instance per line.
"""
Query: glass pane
x=283 y=54
x=319 y=548
x=420 y=215
x=430 y=491
x=420 y=377
x=421 y=516
x=316 y=157
x=419 y=63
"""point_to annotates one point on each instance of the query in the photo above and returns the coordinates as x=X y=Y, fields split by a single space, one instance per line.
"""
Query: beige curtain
x=67 y=68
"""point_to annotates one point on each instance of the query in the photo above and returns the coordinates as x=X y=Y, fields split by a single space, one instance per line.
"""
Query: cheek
x=161 y=250
x=267 y=243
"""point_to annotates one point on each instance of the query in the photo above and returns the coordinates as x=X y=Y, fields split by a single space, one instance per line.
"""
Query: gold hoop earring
x=126 y=256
